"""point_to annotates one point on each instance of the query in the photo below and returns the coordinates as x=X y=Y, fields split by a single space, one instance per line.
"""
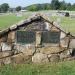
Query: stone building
x=35 y=40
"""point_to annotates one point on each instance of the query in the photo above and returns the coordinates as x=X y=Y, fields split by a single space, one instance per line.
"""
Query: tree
x=11 y=9
x=55 y=4
x=0 y=9
x=37 y=7
x=73 y=7
x=18 y=8
x=63 y=5
x=46 y=6
x=4 y=7
x=33 y=7
x=68 y=6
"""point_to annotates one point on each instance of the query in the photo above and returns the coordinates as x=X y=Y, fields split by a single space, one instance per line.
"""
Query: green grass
x=67 y=23
x=8 y=20
x=62 y=68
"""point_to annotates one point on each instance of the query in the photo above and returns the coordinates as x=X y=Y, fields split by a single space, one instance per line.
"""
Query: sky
x=23 y=3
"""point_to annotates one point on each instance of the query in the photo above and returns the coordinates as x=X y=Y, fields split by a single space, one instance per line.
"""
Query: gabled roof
x=26 y=22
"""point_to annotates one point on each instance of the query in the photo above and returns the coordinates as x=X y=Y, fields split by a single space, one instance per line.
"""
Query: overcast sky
x=14 y=3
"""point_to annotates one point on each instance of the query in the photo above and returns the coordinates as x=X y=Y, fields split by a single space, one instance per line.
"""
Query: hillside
x=36 y=7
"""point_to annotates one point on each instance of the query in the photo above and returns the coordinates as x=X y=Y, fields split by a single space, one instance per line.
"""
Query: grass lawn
x=62 y=68
x=8 y=20
x=67 y=23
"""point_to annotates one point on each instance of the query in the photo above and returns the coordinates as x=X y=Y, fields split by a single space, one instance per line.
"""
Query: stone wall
x=12 y=52
x=17 y=53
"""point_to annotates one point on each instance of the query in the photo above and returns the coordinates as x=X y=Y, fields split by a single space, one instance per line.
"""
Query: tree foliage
x=54 y=5
x=37 y=7
x=18 y=8
x=4 y=7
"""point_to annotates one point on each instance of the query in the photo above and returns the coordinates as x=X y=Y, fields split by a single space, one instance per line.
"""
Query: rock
x=5 y=57
x=62 y=35
x=27 y=21
x=5 y=47
x=64 y=42
x=49 y=50
x=55 y=29
x=48 y=26
x=54 y=58
x=1 y=55
x=49 y=55
x=65 y=54
x=17 y=59
x=72 y=43
x=40 y=58
x=62 y=56
x=1 y=62
x=7 y=60
x=11 y=37
x=16 y=52
x=38 y=38
x=26 y=49
x=3 y=39
x=21 y=58
x=13 y=27
x=5 y=54
x=20 y=23
x=27 y=59
x=0 y=48
x=35 y=18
